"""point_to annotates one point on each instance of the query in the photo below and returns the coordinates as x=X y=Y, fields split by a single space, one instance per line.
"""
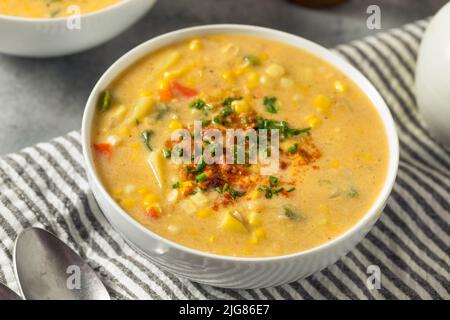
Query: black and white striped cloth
x=46 y=186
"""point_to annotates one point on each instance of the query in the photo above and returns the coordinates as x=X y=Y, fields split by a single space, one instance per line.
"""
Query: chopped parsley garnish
x=252 y=59
x=273 y=180
x=292 y=149
x=271 y=104
x=200 y=165
x=201 y=177
x=226 y=186
x=235 y=193
x=291 y=214
x=146 y=135
x=353 y=193
x=166 y=153
x=176 y=185
x=199 y=104
x=105 y=100
x=177 y=151
x=282 y=126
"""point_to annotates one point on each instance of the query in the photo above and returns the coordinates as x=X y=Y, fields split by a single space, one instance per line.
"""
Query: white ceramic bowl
x=29 y=37
x=225 y=271
x=433 y=76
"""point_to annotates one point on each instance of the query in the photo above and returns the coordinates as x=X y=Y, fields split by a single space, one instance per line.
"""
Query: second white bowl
x=29 y=37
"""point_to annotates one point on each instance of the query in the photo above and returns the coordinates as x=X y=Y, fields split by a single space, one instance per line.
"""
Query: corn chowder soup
x=333 y=147
x=50 y=8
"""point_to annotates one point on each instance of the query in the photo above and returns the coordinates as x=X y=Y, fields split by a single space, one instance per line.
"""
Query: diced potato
x=275 y=70
x=172 y=196
x=130 y=188
x=156 y=162
x=188 y=206
x=143 y=106
x=115 y=117
x=230 y=223
x=113 y=140
x=199 y=199
x=173 y=228
x=253 y=219
x=172 y=59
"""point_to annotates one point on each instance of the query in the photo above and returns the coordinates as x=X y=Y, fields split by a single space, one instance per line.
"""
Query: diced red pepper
x=165 y=95
x=153 y=212
x=185 y=91
x=104 y=149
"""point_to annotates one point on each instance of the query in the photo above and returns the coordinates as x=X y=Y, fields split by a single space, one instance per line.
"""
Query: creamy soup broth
x=333 y=157
x=51 y=8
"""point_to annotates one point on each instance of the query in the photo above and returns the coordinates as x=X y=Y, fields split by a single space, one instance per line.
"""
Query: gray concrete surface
x=44 y=98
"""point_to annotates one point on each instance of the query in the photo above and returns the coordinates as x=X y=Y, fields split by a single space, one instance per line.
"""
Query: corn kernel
x=124 y=131
x=174 y=125
x=339 y=87
x=275 y=70
x=335 y=164
x=259 y=233
x=254 y=194
x=195 y=45
x=253 y=219
x=212 y=239
x=313 y=121
x=252 y=80
x=368 y=157
x=204 y=213
x=240 y=106
x=322 y=103
x=164 y=84
x=150 y=199
x=228 y=76
x=322 y=222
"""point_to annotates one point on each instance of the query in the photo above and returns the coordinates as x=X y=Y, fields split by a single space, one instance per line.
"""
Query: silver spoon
x=47 y=269
x=7 y=294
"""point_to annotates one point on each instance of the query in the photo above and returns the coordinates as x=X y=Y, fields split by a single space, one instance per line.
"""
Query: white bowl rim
x=63 y=19
x=163 y=40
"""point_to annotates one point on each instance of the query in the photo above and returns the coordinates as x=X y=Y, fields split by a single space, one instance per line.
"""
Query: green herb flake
x=353 y=193
x=146 y=136
x=201 y=177
x=235 y=193
x=177 y=151
x=166 y=153
x=251 y=59
x=293 y=149
x=200 y=165
x=273 y=180
x=198 y=104
x=291 y=214
x=271 y=104
x=105 y=100
x=176 y=185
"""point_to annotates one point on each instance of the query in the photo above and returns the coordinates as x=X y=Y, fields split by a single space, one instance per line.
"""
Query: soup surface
x=51 y=8
x=332 y=146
